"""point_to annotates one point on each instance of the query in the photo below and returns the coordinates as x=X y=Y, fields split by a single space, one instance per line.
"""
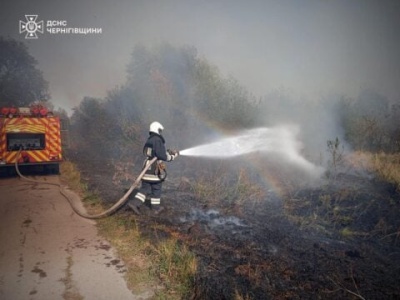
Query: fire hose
x=105 y=213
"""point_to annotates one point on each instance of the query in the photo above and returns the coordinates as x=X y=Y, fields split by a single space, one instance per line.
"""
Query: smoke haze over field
x=310 y=48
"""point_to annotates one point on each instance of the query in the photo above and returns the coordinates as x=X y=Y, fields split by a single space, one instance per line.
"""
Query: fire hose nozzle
x=173 y=152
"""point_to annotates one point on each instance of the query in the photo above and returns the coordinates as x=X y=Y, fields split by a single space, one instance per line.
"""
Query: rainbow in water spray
x=280 y=140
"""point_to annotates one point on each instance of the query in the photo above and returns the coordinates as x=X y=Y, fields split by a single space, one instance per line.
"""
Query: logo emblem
x=31 y=26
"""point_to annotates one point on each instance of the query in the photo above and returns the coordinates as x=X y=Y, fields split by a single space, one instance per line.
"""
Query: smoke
x=318 y=121
x=213 y=219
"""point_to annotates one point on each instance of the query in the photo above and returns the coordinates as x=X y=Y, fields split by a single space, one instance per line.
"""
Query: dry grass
x=386 y=166
x=235 y=192
x=71 y=175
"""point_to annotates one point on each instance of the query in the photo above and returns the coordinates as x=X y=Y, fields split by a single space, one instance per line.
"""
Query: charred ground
x=338 y=240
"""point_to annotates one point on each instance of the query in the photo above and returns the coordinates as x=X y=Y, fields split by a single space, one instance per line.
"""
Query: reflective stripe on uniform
x=150 y=173
x=151 y=177
x=155 y=201
x=140 y=196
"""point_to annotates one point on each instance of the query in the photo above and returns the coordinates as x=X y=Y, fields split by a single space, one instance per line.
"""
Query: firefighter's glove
x=173 y=153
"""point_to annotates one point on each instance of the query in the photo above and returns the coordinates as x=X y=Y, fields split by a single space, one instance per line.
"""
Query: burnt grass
x=340 y=240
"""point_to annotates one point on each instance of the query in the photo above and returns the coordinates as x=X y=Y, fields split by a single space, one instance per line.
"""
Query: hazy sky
x=309 y=47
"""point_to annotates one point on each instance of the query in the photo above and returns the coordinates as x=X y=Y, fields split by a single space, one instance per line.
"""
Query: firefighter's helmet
x=156 y=127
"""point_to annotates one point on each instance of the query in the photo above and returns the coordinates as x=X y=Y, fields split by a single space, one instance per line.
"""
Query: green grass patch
x=176 y=265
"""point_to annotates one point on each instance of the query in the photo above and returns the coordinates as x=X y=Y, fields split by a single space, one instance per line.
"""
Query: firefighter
x=152 y=180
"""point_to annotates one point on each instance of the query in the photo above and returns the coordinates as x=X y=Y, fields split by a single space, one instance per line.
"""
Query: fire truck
x=31 y=136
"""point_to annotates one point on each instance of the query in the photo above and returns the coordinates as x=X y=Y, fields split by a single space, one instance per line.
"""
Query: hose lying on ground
x=105 y=213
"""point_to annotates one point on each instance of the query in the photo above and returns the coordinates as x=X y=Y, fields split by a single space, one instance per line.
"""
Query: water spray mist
x=277 y=140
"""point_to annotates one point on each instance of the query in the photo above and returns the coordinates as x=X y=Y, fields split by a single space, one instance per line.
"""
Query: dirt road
x=48 y=252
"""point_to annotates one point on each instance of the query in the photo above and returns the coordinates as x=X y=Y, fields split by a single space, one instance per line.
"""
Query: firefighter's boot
x=135 y=205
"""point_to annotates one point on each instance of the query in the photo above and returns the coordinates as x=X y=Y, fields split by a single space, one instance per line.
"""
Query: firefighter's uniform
x=155 y=175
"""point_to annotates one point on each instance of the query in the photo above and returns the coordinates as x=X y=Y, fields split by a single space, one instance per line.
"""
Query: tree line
x=188 y=95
